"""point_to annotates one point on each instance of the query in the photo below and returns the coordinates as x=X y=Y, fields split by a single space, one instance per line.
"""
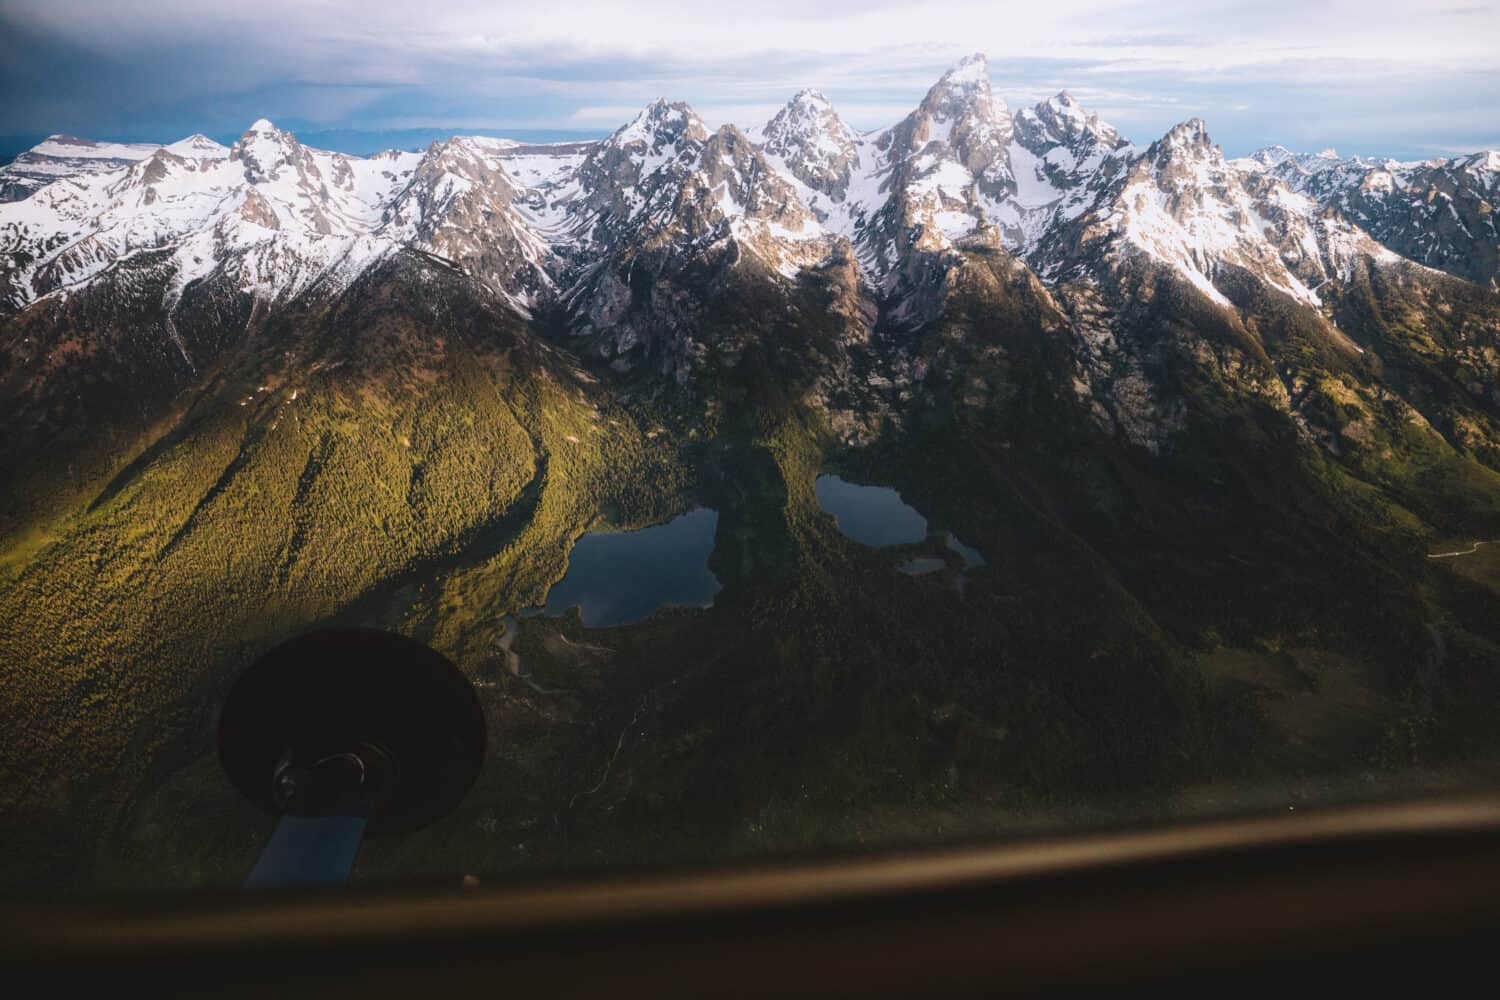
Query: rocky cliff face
x=808 y=140
x=1439 y=212
x=631 y=244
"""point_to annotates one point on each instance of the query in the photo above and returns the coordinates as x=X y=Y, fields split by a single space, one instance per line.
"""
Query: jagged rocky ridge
x=1439 y=212
x=623 y=241
x=60 y=156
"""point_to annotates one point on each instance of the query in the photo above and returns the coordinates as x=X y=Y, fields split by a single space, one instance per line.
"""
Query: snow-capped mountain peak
x=634 y=175
x=1064 y=157
x=936 y=176
x=665 y=174
x=661 y=123
x=1440 y=212
x=1061 y=120
x=1064 y=107
x=961 y=111
x=198 y=146
x=809 y=140
x=1182 y=205
x=812 y=101
x=263 y=149
x=808 y=116
x=1191 y=135
x=72 y=147
x=958 y=173
x=1270 y=156
x=972 y=71
x=60 y=156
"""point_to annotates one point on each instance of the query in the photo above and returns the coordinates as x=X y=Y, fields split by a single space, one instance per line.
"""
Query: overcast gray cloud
x=1371 y=77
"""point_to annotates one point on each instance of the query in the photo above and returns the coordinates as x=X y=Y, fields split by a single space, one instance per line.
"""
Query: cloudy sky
x=1367 y=76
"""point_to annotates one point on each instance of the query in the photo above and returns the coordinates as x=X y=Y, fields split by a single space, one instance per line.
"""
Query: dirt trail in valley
x=1453 y=555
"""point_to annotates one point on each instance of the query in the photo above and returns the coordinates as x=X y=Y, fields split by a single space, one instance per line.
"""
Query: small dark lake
x=871 y=515
x=621 y=577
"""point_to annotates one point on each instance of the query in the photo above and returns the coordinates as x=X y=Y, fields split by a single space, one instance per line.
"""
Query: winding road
x=1453 y=555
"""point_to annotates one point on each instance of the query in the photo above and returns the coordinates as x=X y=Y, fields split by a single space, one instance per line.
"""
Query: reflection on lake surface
x=972 y=557
x=621 y=577
x=877 y=516
x=871 y=515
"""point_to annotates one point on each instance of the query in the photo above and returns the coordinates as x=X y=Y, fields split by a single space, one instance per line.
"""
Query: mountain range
x=1206 y=418
x=960 y=165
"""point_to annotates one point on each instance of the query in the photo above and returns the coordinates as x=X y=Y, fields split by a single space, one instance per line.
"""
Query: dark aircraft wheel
x=353 y=719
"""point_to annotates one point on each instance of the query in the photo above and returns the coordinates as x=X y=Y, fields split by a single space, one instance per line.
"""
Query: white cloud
x=593 y=64
x=1194 y=36
x=603 y=115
